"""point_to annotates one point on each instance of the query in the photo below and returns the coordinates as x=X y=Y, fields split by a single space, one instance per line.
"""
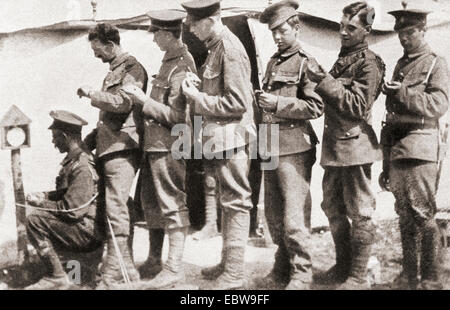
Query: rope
x=123 y=269
x=59 y=211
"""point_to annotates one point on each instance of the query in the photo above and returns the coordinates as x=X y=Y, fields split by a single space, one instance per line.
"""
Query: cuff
x=401 y=94
x=322 y=86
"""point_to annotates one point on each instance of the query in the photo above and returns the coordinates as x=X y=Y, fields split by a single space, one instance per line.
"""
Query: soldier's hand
x=35 y=199
x=268 y=101
x=314 y=71
x=193 y=78
x=390 y=88
x=84 y=91
x=384 y=182
x=189 y=89
x=137 y=94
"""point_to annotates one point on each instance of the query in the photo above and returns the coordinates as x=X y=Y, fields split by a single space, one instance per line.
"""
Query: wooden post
x=19 y=196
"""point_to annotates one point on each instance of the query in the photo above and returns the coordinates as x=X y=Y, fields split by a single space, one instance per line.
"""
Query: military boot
x=430 y=251
x=357 y=279
x=172 y=272
x=340 y=231
x=56 y=278
x=279 y=276
x=211 y=273
x=301 y=274
x=152 y=266
x=408 y=278
x=112 y=277
x=209 y=230
x=237 y=234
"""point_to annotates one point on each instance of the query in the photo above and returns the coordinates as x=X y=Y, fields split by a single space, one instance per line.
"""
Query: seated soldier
x=69 y=223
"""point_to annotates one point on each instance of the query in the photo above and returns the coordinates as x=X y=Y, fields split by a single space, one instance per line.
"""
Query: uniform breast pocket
x=211 y=73
x=289 y=81
x=160 y=90
x=212 y=80
x=416 y=79
x=348 y=133
x=113 y=79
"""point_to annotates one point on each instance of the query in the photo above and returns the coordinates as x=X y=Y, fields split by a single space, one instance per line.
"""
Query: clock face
x=16 y=137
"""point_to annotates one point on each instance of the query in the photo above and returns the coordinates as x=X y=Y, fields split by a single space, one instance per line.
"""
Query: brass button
x=326 y=126
x=292 y=125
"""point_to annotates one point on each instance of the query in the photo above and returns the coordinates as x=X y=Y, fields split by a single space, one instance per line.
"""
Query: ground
x=259 y=258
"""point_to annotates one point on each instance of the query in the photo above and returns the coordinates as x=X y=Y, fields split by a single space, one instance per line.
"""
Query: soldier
x=163 y=193
x=289 y=100
x=116 y=141
x=416 y=98
x=225 y=103
x=350 y=146
x=72 y=222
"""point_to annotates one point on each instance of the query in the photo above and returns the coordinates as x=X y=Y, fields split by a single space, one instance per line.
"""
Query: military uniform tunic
x=226 y=106
x=117 y=138
x=287 y=195
x=413 y=147
x=350 y=145
x=79 y=230
x=163 y=191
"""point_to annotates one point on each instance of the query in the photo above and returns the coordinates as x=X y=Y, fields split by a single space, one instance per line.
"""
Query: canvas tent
x=42 y=67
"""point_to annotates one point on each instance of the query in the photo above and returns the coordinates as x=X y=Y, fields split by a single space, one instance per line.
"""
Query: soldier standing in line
x=76 y=189
x=350 y=146
x=116 y=141
x=163 y=191
x=416 y=98
x=225 y=102
x=289 y=100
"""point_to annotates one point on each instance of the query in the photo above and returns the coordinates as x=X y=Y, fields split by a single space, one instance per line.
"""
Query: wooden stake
x=19 y=196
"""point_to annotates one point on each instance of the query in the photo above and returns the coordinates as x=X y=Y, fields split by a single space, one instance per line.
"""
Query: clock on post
x=15 y=129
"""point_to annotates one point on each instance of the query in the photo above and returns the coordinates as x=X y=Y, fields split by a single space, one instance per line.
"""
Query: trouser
x=116 y=178
x=287 y=202
x=43 y=227
x=163 y=193
x=347 y=194
x=255 y=178
x=233 y=186
x=414 y=185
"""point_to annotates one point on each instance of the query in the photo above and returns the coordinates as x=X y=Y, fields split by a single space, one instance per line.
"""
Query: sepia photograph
x=241 y=146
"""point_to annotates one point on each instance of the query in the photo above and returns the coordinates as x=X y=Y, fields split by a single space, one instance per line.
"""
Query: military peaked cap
x=278 y=13
x=67 y=121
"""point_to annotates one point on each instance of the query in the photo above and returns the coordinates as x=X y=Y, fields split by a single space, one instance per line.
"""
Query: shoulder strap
x=301 y=68
x=425 y=82
x=171 y=73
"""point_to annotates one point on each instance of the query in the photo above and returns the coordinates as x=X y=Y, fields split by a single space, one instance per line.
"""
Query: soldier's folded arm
x=56 y=194
x=90 y=141
x=80 y=191
x=119 y=102
x=175 y=111
x=310 y=105
x=354 y=99
x=433 y=102
x=232 y=103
